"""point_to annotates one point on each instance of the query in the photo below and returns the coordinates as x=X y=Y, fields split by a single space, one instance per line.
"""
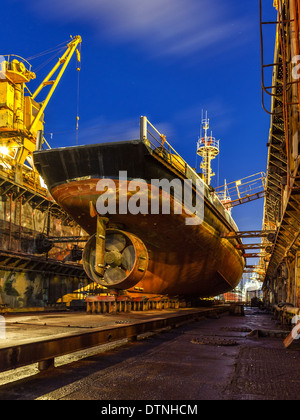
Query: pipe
x=143 y=128
x=285 y=100
x=20 y=225
x=100 y=245
x=10 y=221
x=296 y=4
x=287 y=309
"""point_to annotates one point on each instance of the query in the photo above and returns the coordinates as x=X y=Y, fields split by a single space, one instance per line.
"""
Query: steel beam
x=44 y=351
x=248 y=234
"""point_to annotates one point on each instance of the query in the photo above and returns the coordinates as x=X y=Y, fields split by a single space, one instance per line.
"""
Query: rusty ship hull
x=169 y=257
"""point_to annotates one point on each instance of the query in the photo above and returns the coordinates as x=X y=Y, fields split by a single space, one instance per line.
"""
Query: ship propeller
x=119 y=258
x=126 y=260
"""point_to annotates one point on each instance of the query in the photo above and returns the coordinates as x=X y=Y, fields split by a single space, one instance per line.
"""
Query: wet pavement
x=213 y=359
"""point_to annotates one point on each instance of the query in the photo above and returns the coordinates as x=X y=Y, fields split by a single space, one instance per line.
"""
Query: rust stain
x=183 y=260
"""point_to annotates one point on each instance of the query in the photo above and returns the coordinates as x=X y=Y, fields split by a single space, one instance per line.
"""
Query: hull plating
x=183 y=260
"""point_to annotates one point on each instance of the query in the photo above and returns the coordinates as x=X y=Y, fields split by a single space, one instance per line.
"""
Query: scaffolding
x=282 y=200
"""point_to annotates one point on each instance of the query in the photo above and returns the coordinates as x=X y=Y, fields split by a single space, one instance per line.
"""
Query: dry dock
x=215 y=358
x=137 y=269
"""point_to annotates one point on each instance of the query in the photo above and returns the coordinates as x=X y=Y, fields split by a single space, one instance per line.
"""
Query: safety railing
x=209 y=143
x=158 y=143
x=30 y=177
x=11 y=57
x=242 y=191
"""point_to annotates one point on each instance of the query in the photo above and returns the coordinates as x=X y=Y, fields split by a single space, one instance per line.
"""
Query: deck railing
x=158 y=143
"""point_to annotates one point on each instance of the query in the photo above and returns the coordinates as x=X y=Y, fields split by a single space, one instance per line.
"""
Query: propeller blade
x=128 y=258
x=115 y=242
x=114 y=275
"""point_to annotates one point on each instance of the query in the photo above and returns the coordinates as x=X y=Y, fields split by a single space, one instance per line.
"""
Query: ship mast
x=208 y=149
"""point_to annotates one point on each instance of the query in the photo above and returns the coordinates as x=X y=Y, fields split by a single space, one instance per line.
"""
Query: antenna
x=207 y=148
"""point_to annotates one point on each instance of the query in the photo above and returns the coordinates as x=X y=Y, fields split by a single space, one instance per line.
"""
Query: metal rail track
x=44 y=351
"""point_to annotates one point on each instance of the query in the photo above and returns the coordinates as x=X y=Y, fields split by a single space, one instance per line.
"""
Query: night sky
x=166 y=59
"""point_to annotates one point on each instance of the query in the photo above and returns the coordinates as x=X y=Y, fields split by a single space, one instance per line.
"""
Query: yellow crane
x=21 y=116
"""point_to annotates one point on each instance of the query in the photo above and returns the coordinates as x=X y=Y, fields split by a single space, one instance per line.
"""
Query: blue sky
x=166 y=59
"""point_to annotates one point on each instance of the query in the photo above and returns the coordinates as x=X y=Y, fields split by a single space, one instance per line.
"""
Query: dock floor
x=213 y=359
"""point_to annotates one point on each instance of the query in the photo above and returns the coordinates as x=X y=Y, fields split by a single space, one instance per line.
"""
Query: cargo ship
x=144 y=252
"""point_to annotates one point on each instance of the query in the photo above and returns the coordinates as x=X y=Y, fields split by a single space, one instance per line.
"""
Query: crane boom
x=21 y=116
x=63 y=61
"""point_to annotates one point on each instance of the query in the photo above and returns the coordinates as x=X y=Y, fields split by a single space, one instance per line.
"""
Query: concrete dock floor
x=213 y=359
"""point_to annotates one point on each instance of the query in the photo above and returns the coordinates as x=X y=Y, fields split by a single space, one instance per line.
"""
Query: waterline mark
x=160 y=196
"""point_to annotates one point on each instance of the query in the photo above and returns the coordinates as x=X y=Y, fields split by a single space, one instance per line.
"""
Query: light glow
x=4 y=151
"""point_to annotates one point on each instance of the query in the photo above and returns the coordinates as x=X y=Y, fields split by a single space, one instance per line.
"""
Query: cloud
x=175 y=28
x=220 y=114
x=102 y=129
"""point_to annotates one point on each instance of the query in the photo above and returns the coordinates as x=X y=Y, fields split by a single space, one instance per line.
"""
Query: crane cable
x=49 y=51
x=78 y=53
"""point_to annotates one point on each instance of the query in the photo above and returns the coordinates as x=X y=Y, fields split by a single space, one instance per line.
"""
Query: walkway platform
x=217 y=358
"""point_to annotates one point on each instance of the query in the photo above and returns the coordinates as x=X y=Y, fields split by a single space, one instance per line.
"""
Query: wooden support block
x=236 y=310
x=88 y=307
x=93 y=307
x=46 y=364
